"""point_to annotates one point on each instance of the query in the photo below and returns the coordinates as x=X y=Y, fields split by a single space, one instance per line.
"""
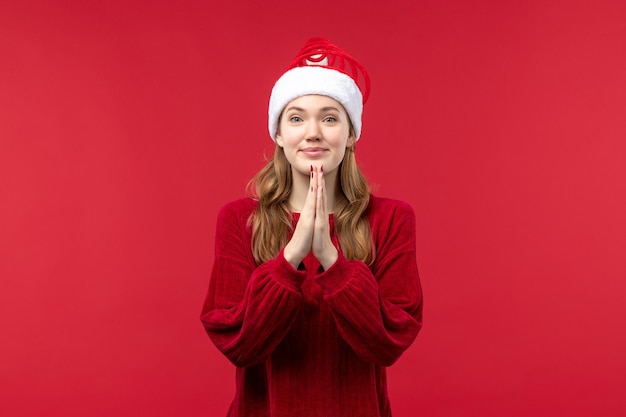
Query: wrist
x=292 y=256
x=329 y=258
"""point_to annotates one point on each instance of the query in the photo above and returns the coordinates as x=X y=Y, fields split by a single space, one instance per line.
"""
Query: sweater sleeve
x=378 y=312
x=249 y=309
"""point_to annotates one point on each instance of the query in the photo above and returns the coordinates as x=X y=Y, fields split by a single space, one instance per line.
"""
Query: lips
x=313 y=151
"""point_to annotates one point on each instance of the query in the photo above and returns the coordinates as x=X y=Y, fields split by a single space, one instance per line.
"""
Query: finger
x=322 y=246
x=301 y=241
x=321 y=191
x=311 y=198
x=324 y=195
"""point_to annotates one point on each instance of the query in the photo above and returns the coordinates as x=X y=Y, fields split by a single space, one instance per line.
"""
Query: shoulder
x=392 y=223
x=237 y=210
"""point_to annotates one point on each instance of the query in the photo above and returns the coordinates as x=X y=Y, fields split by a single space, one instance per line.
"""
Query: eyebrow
x=300 y=109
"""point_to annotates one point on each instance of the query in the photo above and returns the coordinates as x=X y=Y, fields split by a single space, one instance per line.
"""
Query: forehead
x=313 y=102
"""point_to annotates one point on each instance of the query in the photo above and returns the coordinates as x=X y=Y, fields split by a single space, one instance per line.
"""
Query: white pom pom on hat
x=321 y=68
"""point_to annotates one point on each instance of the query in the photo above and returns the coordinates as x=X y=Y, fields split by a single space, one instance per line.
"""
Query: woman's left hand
x=322 y=245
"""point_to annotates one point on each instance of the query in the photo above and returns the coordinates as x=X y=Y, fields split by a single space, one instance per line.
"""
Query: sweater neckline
x=295 y=215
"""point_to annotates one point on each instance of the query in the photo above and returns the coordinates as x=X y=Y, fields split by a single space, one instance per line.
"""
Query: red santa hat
x=321 y=68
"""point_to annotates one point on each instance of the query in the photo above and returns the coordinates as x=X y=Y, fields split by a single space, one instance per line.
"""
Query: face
x=314 y=130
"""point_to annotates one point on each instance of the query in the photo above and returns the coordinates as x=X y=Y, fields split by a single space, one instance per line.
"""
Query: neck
x=300 y=189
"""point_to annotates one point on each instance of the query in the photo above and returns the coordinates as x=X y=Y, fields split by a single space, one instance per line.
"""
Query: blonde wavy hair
x=271 y=222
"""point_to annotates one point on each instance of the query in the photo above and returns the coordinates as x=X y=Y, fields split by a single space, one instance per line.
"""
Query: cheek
x=290 y=150
x=289 y=147
x=341 y=155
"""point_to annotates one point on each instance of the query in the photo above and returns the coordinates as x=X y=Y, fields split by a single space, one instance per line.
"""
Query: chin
x=304 y=167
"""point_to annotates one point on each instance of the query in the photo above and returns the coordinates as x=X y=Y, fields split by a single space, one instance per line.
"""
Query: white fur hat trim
x=302 y=81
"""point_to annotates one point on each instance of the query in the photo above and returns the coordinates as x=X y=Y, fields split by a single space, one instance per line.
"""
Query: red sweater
x=314 y=343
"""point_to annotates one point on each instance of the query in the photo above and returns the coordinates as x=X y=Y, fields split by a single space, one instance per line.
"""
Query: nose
x=313 y=132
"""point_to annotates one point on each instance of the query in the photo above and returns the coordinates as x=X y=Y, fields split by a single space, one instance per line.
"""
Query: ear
x=279 y=139
x=351 y=139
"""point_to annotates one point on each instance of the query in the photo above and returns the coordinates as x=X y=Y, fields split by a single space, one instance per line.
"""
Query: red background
x=124 y=126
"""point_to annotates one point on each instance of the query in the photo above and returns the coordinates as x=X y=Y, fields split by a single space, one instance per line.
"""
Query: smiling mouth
x=313 y=151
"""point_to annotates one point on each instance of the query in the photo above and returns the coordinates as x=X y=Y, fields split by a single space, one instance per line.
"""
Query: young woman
x=314 y=288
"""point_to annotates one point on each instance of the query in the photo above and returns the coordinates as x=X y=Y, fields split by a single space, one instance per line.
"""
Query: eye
x=295 y=119
x=330 y=119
